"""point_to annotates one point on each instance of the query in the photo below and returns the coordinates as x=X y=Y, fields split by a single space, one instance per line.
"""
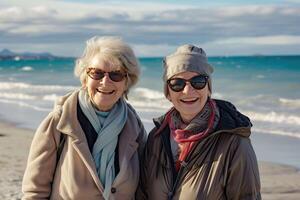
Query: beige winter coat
x=75 y=176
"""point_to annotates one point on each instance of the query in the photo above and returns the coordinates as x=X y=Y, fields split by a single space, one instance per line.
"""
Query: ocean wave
x=160 y=105
x=23 y=96
x=50 y=97
x=290 y=102
x=274 y=117
x=269 y=101
x=10 y=85
x=21 y=85
x=261 y=98
x=156 y=111
x=17 y=96
x=148 y=93
x=25 y=105
x=27 y=68
x=277 y=132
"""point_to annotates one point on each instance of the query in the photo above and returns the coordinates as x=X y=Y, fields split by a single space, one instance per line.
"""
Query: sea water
x=265 y=88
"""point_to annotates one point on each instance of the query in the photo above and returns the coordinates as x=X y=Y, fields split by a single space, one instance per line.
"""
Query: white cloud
x=20 y=14
x=163 y=28
x=153 y=50
x=265 y=40
x=148 y=26
x=32 y=30
x=235 y=11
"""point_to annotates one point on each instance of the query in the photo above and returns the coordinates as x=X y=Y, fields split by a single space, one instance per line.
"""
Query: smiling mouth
x=189 y=101
x=105 y=92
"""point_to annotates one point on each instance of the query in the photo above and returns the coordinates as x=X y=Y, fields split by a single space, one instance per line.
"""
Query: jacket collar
x=231 y=120
x=68 y=123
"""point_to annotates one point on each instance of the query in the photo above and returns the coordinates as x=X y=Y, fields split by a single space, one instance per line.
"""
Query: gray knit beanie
x=186 y=58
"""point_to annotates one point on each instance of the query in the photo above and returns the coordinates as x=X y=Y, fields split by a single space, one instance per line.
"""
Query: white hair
x=111 y=50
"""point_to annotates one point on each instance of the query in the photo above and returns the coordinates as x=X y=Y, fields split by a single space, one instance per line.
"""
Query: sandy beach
x=278 y=181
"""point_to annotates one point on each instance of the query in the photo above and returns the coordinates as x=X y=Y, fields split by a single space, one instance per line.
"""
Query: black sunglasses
x=178 y=84
x=98 y=74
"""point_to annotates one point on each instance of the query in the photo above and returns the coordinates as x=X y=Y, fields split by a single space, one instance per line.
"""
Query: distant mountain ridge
x=7 y=54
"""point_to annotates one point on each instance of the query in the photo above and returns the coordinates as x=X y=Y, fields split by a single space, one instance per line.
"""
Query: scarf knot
x=202 y=124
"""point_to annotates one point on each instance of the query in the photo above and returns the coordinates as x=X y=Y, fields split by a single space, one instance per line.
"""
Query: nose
x=187 y=88
x=106 y=79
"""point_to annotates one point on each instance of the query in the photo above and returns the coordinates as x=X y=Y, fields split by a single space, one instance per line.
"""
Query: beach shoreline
x=278 y=181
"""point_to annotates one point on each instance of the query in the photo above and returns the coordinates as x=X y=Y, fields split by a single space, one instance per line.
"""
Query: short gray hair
x=112 y=50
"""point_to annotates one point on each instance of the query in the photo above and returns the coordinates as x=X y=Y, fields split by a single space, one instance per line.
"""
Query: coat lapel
x=77 y=135
x=127 y=147
x=84 y=153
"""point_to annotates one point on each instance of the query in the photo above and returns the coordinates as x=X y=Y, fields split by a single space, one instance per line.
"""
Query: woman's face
x=105 y=92
x=188 y=102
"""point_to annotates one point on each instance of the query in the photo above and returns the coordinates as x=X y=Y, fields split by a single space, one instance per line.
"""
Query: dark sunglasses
x=98 y=74
x=178 y=84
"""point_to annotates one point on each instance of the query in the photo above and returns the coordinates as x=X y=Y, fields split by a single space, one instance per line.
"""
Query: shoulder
x=135 y=123
x=62 y=101
x=131 y=111
x=155 y=135
x=60 y=106
x=234 y=140
x=152 y=134
x=239 y=148
x=136 y=127
x=133 y=117
x=233 y=120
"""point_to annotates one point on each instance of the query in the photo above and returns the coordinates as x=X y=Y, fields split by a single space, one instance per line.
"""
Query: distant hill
x=6 y=54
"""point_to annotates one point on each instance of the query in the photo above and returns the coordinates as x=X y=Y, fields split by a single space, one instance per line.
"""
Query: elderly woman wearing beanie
x=89 y=146
x=200 y=149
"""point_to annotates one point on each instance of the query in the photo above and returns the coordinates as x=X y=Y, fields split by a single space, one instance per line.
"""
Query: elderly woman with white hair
x=89 y=146
x=199 y=149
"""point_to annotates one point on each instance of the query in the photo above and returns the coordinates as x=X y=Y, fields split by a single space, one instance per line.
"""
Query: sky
x=153 y=28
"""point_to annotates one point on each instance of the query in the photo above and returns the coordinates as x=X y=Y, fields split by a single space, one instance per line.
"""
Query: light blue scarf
x=108 y=128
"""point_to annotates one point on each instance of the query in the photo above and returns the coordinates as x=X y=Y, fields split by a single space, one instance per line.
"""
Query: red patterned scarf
x=187 y=135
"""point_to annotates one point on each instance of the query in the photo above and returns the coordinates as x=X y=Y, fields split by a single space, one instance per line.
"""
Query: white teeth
x=105 y=92
x=193 y=99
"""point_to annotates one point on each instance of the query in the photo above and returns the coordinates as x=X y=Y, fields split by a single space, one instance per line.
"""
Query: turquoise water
x=266 y=88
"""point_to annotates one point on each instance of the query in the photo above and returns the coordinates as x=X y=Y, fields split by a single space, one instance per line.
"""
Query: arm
x=243 y=182
x=41 y=162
